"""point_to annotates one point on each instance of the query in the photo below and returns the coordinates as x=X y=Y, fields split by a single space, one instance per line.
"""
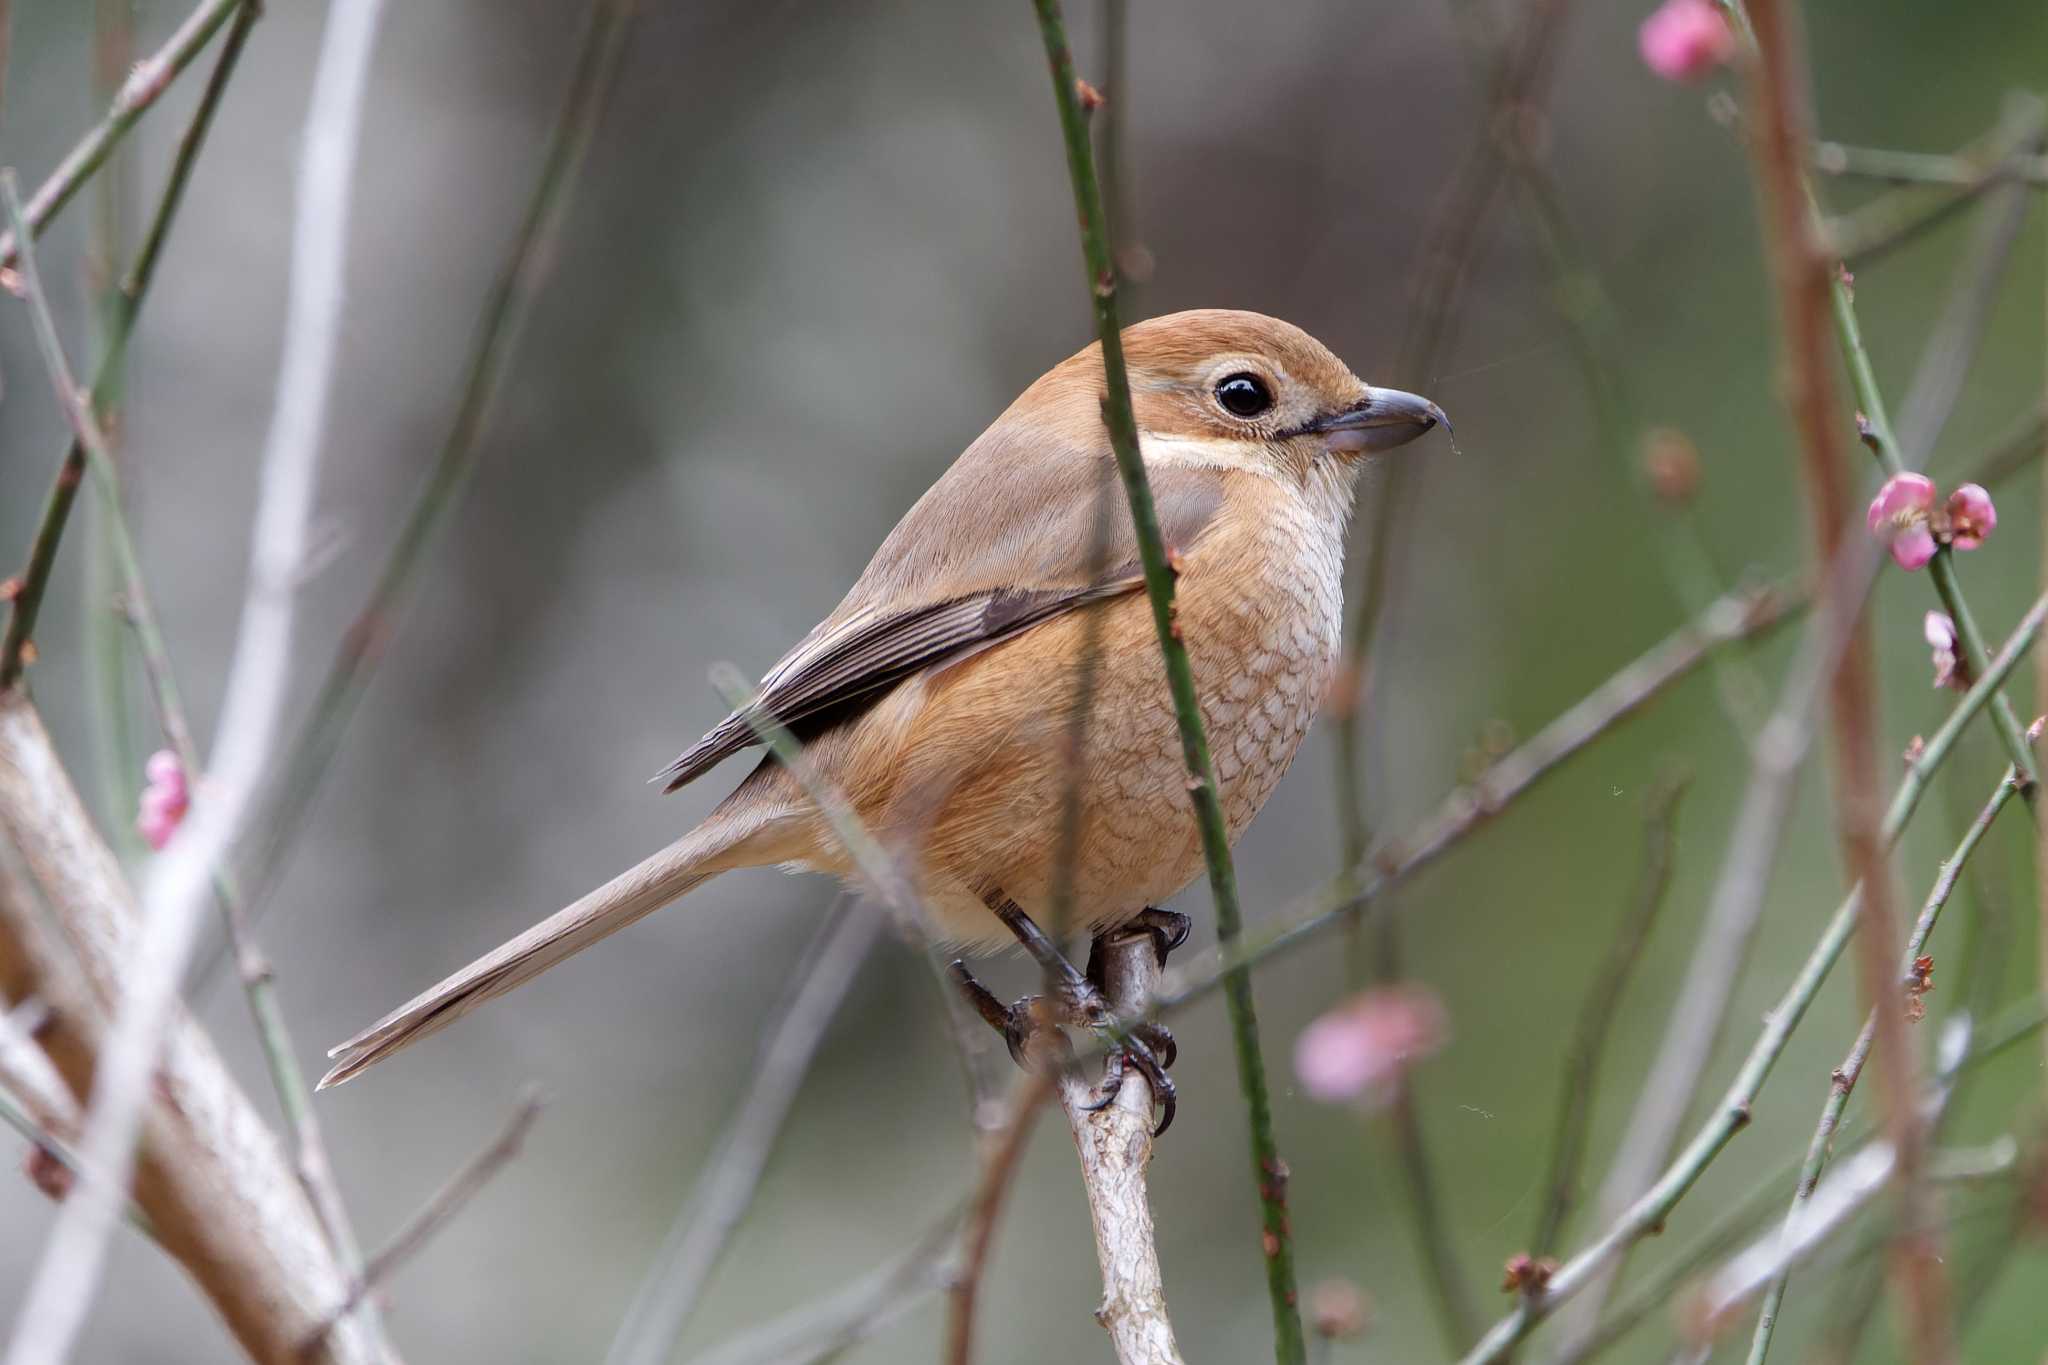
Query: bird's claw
x=1147 y=1049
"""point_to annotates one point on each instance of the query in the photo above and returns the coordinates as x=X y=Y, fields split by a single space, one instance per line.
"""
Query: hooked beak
x=1383 y=419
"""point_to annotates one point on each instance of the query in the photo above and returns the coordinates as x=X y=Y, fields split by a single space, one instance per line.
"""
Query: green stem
x=1648 y=1213
x=1843 y=1082
x=1597 y=1011
x=1269 y=1171
x=519 y=280
x=107 y=377
x=150 y=78
x=1942 y=569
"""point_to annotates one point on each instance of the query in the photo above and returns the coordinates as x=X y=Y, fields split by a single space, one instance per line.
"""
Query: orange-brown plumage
x=940 y=694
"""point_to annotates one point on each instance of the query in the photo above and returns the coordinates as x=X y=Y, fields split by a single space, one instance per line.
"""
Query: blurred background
x=814 y=252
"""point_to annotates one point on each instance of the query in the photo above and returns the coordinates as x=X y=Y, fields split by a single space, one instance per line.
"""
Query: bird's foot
x=1148 y=1049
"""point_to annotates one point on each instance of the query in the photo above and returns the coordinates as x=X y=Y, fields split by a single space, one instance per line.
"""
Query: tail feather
x=709 y=849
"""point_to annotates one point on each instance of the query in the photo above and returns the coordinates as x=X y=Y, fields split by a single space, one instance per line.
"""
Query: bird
x=997 y=662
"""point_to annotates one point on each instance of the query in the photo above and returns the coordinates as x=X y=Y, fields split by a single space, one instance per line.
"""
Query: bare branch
x=181 y=877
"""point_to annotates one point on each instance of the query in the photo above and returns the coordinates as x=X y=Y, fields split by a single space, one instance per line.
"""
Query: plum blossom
x=165 y=799
x=1357 y=1051
x=1683 y=40
x=1900 y=511
x=1904 y=514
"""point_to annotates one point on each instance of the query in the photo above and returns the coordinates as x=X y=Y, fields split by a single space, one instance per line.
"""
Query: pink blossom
x=1359 y=1049
x=1941 y=638
x=1971 y=517
x=165 y=799
x=1684 y=39
x=1900 y=513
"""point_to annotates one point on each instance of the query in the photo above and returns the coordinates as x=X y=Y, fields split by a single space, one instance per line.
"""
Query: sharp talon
x=1169 y=930
x=1159 y=1040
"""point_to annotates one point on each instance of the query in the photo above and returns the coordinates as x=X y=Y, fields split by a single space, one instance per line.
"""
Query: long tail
x=713 y=847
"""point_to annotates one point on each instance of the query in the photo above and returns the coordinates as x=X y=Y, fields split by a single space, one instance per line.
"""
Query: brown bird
x=939 y=697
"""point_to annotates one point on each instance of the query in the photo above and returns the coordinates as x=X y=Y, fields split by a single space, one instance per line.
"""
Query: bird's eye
x=1244 y=395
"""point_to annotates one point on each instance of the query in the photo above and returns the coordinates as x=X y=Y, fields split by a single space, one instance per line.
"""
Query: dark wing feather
x=876 y=655
x=1016 y=531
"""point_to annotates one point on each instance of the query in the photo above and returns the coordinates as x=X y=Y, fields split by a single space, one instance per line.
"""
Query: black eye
x=1245 y=395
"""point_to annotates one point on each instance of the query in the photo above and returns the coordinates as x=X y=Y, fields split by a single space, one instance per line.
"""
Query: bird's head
x=1229 y=388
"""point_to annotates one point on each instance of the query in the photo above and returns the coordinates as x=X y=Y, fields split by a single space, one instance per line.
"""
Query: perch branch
x=61 y=1292
x=1276 y=1237
x=1115 y=1147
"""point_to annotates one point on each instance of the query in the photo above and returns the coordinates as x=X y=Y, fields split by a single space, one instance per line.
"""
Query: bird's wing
x=1008 y=537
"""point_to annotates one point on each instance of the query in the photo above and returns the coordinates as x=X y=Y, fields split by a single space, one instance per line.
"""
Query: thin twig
x=1276 y=1236
x=850 y=1314
x=437 y=1212
x=1728 y=1117
x=1599 y=1007
x=520 y=277
x=704 y=1225
x=1733 y=915
x=150 y=78
x=57 y=1301
x=998 y=1168
x=1924 y=168
x=1517 y=81
x=1738 y=616
x=1843 y=1081
x=106 y=648
x=1803 y=279
x=107 y=374
x=1953 y=343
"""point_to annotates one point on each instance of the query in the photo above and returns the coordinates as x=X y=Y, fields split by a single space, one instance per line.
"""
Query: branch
x=1115 y=1146
x=107 y=374
x=1804 y=278
x=520 y=277
x=1738 y=616
x=703 y=1227
x=1647 y=1214
x=150 y=78
x=998 y=1168
x=1276 y=1237
x=1598 y=1009
x=1923 y=168
x=1843 y=1081
x=435 y=1214
x=209 y=1175
x=58 y=1299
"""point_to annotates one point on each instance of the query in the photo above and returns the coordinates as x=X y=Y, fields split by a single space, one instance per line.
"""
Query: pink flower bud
x=1899 y=513
x=1684 y=39
x=1357 y=1051
x=164 y=800
x=1971 y=517
x=1941 y=638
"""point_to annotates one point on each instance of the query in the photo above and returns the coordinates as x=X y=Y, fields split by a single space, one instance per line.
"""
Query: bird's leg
x=1077 y=998
x=1145 y=1045
x=1079 y=995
